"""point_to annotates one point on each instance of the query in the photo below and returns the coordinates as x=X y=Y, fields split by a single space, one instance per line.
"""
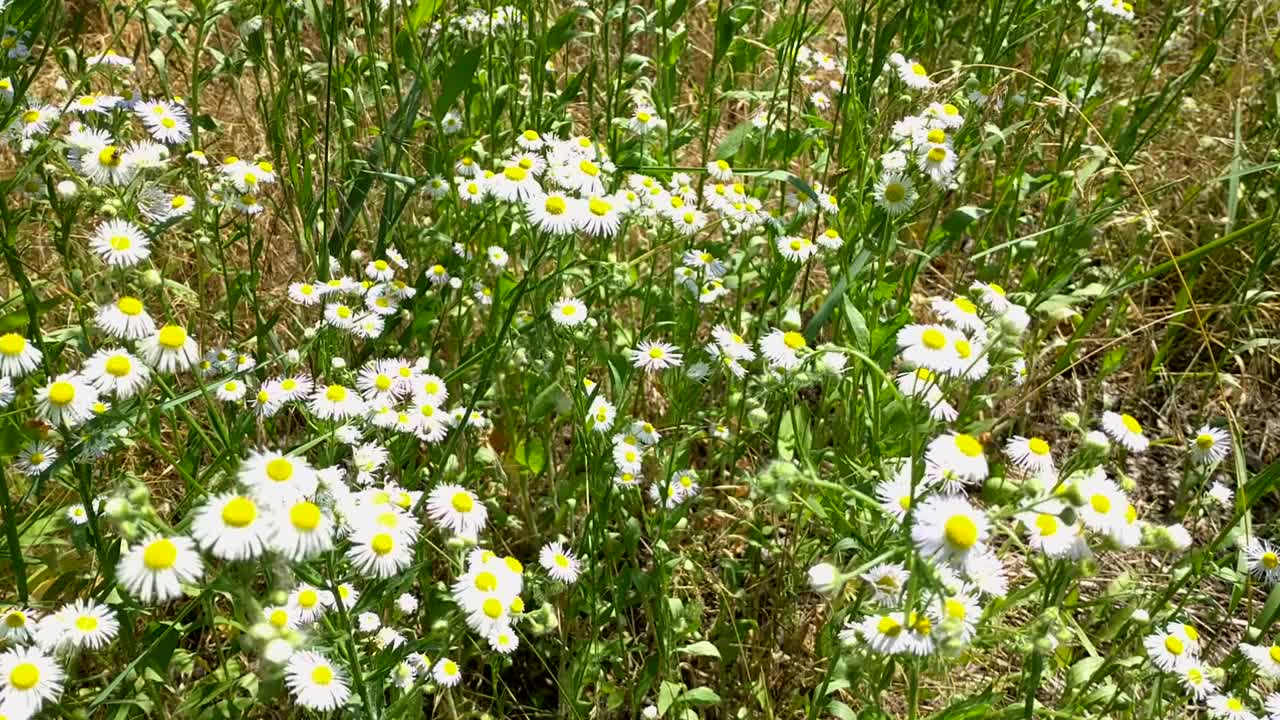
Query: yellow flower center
x=794 y=340
x=968 y=445
x=555 y=205
x=937 y=154
x=382 y=382
x=964 y=349
x=656 y=353
x=381 y=543
x=889 y=627
x=486 y=582
x=492 y=608
x=933 y=339
x=966 y=305
x=279 y=618
x=239 y=512
x=589 y=168
x=904 y=502
x=30 y=117
x=160 y=555
x=1131 y=424
x=308 y=598
x=1270 y=560
x=513 y=565
x=172 y=337
x=24 y=676
x=1274 y=652
x=305 y=516
x=280 y=470
x=15 y=619
x=919 y=70
x=1038 y=446
x=450 y=668
x=12 y=344
x=322 y=675
x=87 y=623
x=36 y=458
x=178 y=202
x=937 y=137
x=118 y=365
x=61 y=393
x=1234 y=705
x=514 y=173
x=1047 y=525
x=1204 y=441
x=568 y=310
x=954 y=609
x=335 y=393
x=961 y=532
x=120 y=243
x=169 y=123
x=530 y=135
x=598 y=207
x=110 y=156
x=1100 y=503
x=462 y=502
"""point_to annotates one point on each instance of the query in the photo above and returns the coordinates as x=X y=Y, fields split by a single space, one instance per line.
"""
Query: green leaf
x=962 y=217
x=824 y=312
x=531 y=454
x=702 y=648
x=857 y=326
x=563 y=30
x=422 y=12
x=701 y=696
x=728 y=147
x=667 y=694
x=793 y=433
x=459 y=78
x=838 y=709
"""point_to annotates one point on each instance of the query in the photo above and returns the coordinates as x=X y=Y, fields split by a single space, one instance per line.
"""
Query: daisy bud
x=792 y=321
x=1097 y=440
x=455 y=282
x=67 y=189
x=1070 y=420
x=486 y=456
x=293 y=357
x=825 y=579
x=338 y=363
x=277 y=652
x=649 y=712
x=116 y=508
x=60 y=85
x=139 y=495
x=357 y=256
x=758 y=417
x=1140 y=616
x=109 y=208
x=1127 y=483
x=152 y=278
x=262 y=632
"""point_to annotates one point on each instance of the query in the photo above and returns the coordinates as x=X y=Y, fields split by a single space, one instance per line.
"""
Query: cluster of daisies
x=104 y=150
x=1065 y=512
x=1176 y=648
x=923 y=151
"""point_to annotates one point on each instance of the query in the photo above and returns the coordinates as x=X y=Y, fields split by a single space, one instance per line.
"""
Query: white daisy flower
x=230 y=527
x=170 y=350
x=949 y=529
x=155 y=569
x=456 y=509
x=28 y=679
x=316 y=683
x=1210 y=445
x=559 y=562
x=1126 y=430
